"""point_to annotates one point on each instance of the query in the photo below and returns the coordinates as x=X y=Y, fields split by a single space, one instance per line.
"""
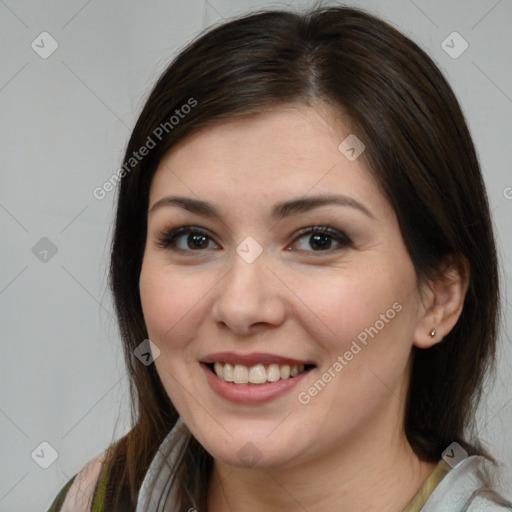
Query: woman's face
x=252 y=287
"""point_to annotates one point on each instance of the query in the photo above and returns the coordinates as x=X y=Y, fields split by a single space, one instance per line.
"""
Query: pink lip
x=251 y=359
x=250 y=393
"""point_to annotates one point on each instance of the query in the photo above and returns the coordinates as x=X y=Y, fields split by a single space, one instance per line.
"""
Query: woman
x=303 y=234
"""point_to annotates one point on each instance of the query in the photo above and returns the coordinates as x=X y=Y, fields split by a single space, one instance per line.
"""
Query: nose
x=248 y=298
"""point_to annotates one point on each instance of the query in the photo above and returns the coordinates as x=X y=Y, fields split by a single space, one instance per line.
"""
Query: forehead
x=288 y=131
x=286 y=151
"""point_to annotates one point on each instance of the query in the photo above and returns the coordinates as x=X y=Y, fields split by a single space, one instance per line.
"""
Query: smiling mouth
x=258 y=373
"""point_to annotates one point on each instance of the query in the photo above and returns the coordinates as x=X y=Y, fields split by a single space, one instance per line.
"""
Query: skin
x=346 y=448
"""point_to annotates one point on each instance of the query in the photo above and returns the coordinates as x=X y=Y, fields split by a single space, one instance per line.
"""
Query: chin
x=253 y=456
x=250 y=449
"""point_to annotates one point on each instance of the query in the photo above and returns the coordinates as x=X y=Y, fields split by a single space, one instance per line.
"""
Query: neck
x=367 y=472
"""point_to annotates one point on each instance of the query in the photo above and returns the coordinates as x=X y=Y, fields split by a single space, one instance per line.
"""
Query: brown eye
x=187 y=239
x=197 y=241
x=322 y=238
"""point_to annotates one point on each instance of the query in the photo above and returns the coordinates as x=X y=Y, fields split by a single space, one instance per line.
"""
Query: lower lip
x=251 y=393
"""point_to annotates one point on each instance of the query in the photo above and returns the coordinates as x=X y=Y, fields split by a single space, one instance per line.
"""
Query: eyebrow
x=280 y=210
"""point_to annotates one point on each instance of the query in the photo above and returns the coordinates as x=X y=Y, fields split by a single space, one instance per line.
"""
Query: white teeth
x=240 y=374
x=257 y=374
x=219 y=369
x=273 y=372
x=227 y=373
x=285 y=371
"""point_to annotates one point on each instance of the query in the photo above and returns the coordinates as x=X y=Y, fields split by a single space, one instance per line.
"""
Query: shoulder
x=467 y=488
x=482 y=503
x=57 y=502
x=77 y=495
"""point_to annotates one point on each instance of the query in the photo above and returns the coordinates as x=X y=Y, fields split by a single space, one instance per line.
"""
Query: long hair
x=421 y=154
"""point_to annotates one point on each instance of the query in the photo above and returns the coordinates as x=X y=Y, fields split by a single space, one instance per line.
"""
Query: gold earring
x=433 y=333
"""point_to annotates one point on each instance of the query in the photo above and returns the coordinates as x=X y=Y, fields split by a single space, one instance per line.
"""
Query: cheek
x=373 y=304
x=172 y=304
x=362 y=324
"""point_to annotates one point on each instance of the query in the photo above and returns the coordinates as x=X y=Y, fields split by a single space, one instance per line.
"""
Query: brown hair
x=417 y=146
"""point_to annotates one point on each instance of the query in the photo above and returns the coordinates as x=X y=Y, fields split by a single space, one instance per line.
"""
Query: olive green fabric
x=99 y=497
x=428 y=487
x=59 y=500
x=99 y=494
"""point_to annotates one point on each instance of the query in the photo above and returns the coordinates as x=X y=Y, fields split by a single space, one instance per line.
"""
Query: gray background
x=65 y=122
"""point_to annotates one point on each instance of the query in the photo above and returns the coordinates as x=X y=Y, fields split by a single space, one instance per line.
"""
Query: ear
x=443 y=301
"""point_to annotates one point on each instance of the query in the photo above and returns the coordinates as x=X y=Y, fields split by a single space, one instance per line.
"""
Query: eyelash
x=168 y=238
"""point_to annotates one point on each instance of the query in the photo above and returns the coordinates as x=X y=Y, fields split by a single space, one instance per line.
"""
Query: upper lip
x=252 y=359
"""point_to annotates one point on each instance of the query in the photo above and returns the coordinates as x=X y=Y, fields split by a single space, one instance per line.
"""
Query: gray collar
x=156 y=493
x=464 y=489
